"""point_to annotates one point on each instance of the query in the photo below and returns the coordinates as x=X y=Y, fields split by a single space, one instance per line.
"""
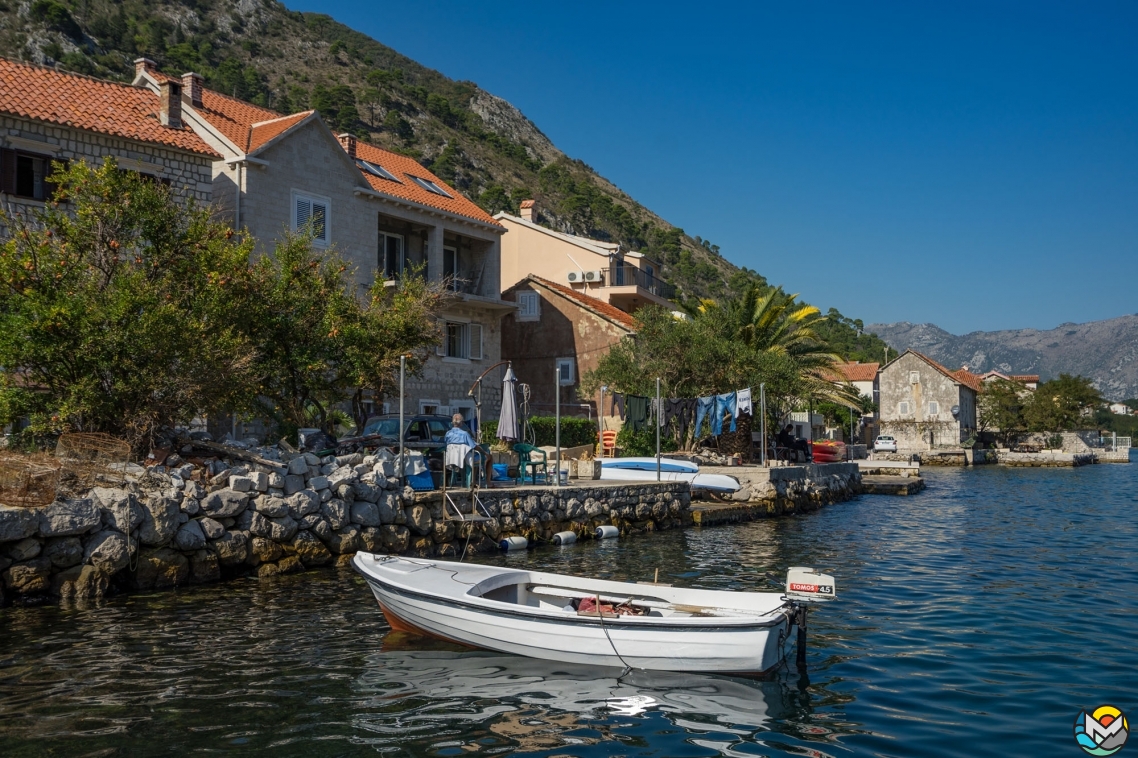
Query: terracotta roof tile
x=232 y=117
x=599 y=307
x=264 y=132
x=1025 y=377
x=857 y=372
x=93 y=105
x=403 y=168
x=963 y=376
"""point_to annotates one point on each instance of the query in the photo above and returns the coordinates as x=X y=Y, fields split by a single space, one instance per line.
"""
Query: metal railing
x=623 y=275
x=1114 y=443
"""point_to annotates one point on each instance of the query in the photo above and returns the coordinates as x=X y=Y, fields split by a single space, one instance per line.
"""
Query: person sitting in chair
x=456 y=435
x=790 y=442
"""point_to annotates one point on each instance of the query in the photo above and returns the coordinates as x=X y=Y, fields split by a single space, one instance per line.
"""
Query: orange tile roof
x=264 y=132
x=963 y=376
x=232 y=117
x=93 y=105
x=856 y=372
x=600 y=307
x=403 y=168
x=1025 y=377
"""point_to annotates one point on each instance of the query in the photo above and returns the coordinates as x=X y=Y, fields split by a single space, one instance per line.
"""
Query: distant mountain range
x=1105 y=351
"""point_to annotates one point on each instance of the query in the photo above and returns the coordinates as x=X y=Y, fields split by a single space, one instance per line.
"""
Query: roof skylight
x=430 y=186
x=376 y=170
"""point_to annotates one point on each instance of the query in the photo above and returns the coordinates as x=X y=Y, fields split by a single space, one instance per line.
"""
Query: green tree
x=337 y=105
x=119 y=310
x=1062 y=404
x=394 y=123
x=1001 y=408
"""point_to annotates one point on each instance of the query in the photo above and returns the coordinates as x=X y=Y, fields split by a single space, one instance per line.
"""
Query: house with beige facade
x=558 y=327
x=602 y=270
x=924 y=405
x=383 y=213
x=48 y=116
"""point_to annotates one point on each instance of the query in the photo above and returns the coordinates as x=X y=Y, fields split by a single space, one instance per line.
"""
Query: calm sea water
x=977 y=618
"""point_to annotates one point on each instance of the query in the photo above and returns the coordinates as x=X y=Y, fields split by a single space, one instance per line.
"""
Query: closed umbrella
x=508 y=421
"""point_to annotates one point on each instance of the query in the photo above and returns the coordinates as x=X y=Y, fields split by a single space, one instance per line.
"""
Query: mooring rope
x=601 y=618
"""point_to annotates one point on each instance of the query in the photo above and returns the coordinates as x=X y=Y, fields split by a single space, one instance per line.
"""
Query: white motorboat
x=591 y=621
x=649 y=464
x=698 y=481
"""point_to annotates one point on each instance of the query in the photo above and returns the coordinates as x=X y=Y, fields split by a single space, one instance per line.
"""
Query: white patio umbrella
x=508 y=421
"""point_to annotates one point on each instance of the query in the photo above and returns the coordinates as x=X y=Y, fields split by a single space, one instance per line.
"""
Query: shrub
x=643 y=442
x=574 y=431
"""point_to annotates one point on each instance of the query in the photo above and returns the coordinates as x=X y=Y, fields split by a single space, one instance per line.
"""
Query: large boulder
x=366 y=491
x=395 y=538
x=256 y=524
x=67 y=517
x=212 y=529
x=241 y=483
x=303 y=503
x=282 y=529
x=224 y=504
x=80 y=583
x=293 y=483
x=345 y=540
x=25 y=549
x=274 y=507
x=30 y=578
x=262 y=550
x=107 y=550
x=365 y=513
x=204 y=567
x=17 y=523
x=64 y=552
x=337 y=513
x=160 y=520
x=190 y=537
x=231 y=549
x=310 y=550
x=419 y=519
x=120 y=508
x=161 y=567
x=298 y=466
x=389 y=505
x=372 y=539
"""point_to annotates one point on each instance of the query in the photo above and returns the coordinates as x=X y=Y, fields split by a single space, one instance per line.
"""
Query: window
x=461 y=340
x=450 y=267
x=25 y=175
x=377 y=170
x=429 y=407
x=315 y=211
x=914 y=377
x=430 y=186
x=934 y=407
x=529 y=306
x=566 y=365
x=903 y=409
x=392 y=255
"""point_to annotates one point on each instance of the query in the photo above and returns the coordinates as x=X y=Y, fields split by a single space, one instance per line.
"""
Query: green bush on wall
x=574 y=431
x=643 y=443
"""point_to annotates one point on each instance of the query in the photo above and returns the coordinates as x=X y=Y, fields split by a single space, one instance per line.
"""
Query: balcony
x=626 y=275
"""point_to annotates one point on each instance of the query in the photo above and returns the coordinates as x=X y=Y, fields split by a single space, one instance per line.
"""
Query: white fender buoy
x=607 y=532
x=514 y=543
x=564 y=538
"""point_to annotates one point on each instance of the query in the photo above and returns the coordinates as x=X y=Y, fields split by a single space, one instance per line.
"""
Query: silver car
x=885 y=444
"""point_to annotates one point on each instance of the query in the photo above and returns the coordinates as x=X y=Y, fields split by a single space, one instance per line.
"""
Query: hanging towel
x=743 y=403
x=636 y=407
x=704 y=407
x=724 y=404
x=456 y=455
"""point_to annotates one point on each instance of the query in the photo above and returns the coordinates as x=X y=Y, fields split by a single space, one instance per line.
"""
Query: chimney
x=528 y=210
x=192 y=87
x=349 y=144
x=170 y=104
x=143 y=64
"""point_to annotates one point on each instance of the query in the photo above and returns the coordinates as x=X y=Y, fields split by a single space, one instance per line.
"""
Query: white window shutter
x=475 y=333
x=442 y=348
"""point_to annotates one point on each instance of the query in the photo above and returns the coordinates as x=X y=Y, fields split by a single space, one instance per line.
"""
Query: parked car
x=421 y=432
x=885 y=444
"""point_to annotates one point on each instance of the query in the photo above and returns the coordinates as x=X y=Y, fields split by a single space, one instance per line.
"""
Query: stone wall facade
x=190 y=174
x=908 y=386
x=180 y=526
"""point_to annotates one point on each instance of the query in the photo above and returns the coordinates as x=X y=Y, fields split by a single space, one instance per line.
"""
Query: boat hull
x=717 y=482
x=742 y=648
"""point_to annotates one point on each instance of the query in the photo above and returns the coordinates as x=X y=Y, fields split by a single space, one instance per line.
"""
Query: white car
x=885 y=444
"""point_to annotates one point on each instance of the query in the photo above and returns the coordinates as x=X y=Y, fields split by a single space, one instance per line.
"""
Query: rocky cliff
x=1105 y=351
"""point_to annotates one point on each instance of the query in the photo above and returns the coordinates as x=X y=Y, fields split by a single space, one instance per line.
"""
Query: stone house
x=1029 y=381
x=556 y=326
x=924 y=405
x=602 y=270
x=385 y=214
x=48 y=115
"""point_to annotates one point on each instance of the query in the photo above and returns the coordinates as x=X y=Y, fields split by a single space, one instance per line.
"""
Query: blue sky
x=972 y=165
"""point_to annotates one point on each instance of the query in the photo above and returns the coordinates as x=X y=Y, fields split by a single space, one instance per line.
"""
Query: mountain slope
x=1105 y=351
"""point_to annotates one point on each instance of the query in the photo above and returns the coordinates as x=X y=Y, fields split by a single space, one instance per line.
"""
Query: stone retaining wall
x=166 y=528
x=793 y=489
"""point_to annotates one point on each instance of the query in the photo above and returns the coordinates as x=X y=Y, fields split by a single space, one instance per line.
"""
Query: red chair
x=608 y=443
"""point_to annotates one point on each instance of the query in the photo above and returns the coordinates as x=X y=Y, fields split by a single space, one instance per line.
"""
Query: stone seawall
x=165 y=528
x=779 y=490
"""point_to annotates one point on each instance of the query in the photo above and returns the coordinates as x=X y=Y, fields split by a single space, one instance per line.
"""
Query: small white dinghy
x=555 y=617
x=716 y=482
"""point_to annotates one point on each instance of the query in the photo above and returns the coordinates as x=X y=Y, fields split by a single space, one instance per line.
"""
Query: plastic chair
x=608 y=443
x=526 y=459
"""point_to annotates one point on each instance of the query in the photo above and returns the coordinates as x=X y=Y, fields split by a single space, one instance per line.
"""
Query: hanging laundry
x=743 y=403
x=637 y=410
x=617 y=405
x=724 y=405
x=680 y=411
x=704 y=408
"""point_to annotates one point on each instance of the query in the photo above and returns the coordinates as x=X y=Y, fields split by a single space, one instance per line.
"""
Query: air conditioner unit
x=575 y=277
x=593 y=276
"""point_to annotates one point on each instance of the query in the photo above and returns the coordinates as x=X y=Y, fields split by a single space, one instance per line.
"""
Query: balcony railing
x=625 y=275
